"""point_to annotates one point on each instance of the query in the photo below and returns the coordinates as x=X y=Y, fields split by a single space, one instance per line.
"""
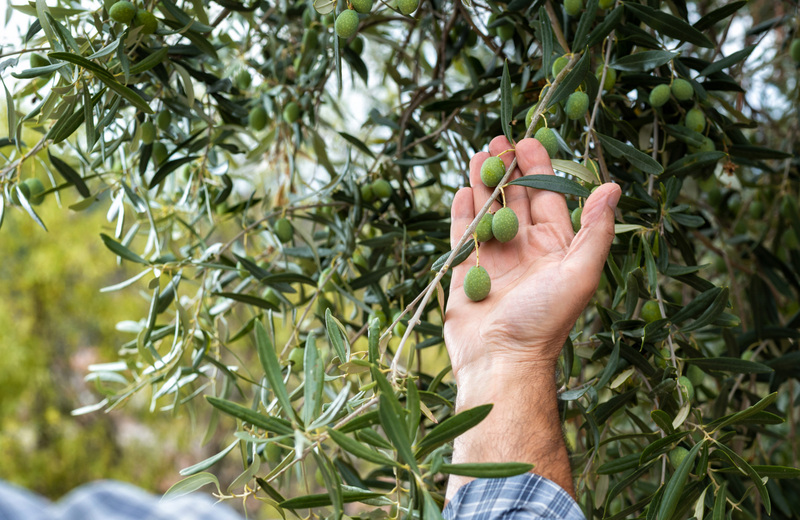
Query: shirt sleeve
x=523 y=497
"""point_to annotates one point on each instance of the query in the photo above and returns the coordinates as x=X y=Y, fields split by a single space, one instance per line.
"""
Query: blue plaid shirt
x=524 y=497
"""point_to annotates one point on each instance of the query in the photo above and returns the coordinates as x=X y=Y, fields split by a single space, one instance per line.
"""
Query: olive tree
x=279 y=176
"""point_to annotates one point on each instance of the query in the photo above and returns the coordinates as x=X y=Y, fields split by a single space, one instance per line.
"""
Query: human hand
x=541 y=280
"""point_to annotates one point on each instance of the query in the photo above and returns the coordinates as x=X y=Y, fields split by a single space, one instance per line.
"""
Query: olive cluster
x=347 y=21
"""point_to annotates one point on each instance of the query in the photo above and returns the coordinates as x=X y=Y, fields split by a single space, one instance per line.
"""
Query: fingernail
x=613 y=198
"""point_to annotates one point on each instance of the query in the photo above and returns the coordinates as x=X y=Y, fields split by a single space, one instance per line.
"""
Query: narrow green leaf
x=270 y=424
x=748 y=469
x=36 y=72
x=393 y=426
x=314 y=371
x=666 y=24
x=122 y=251
x=696 y=306
x=337 y=336
x=430 y=509
x=572 y=81
x=106 y=77
x=360 y=450
x=742 y=415
x=205 y=464
x=322 y=500
x=718 y=15
x=374 y=335
x=26 y=205
x=462 y=255
x=674 y=488
x=662 y=420
x=720 y=501
x=619 y=464
x=636 y=157
x=643 y=61
x=585 y=23
x=711 y=313
x=167 y=168
x=730 y=364
x=692 y=163
x=604 y=28
x=272 y=368
x=170 y=8
x=149 y=62
x=487 y=469
x=772 y=472
x=575 y=169
x=332 y=482
x=552 y=183
x=506 y=103
x=659 y=446
x=190 y=485
x=451 y=428
x=413 y=407
x=69 y=174
x=248 y=299
x=724 y=63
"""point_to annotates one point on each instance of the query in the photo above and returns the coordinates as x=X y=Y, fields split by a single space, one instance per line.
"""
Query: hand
x=541 y=280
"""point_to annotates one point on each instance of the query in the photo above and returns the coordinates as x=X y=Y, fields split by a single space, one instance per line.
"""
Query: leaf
x=643 y=61
x=572 y=80
x=332 y=482
x=323 y=500
x=772 y=472
x=718 y=15
x=711 y=313
x=190 y=485
x=248 y=299
x=696 y=306
x=669 y=25
x=313 y=385
x=272 y=368
x=270 y=424
x=575 y=169
x=122 y=251
x=205 y=464
x=720 y=502
x=724 y=63
x=675 y=485
x=552 y=183
x=103 y=75
x=506 y=103
x=451 y=428
x=360 y=450
x=337 y=337
x=36 y=72
x=636 y=157
x=730 y=364
x=604 y=28
x=692 y=163
x=462 y=255
x=743 y=414
x=748 y=469
x=486 y=469
x=663 y=420
x=167 y=168
x=149 y=62
x=394 y=427
x=169 y=7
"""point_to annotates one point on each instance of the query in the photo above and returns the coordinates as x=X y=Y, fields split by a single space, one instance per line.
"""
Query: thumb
x=589 y=249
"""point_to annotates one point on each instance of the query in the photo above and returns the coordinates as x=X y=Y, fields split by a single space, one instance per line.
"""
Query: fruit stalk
x=471 y=228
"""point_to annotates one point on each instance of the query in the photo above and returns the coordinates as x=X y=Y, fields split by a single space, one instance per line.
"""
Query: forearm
x=523 y=426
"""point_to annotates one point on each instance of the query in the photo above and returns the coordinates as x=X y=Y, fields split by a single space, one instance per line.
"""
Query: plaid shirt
x=524 y=497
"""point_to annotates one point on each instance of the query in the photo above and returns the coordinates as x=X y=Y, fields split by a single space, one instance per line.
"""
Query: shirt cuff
x=527 y=497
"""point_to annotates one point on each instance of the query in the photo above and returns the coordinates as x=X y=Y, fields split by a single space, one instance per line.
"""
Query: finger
x=547 y=207
x=480 y=192
x=462 y=214
x=516 y=196
x=589 y=250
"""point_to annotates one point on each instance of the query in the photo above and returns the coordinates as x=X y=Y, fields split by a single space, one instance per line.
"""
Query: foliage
x=707 y=229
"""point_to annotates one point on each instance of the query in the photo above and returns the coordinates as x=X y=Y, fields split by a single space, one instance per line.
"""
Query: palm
x=537 y=292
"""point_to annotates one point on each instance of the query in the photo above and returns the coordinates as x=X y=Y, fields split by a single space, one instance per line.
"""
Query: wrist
x=494 y=379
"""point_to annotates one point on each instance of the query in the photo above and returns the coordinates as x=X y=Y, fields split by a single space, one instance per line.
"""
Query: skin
x=504 y=349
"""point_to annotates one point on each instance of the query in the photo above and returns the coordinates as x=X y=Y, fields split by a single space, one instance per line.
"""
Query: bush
x=371 y=413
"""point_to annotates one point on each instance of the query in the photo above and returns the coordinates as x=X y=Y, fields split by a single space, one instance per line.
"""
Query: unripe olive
x=35 y=189
x=477 y=283
x=706 y=146
x=676 y=456
x=244 y=79
x=686 y=388
x=611 y=77
x=505 y=224
x=573 y=7
x=483 y=231
x=548 y=139
x=400 y=327
x=284 y=230
x=794 y=50
x=367 y=195
x=407 y=6
x=575 y=217
x=272 y=297
x=650 y=311
x=577 y=105
x=559 y=65
x=505 y=32
x=296 y=357
x=148 y=132
x=606 y=4
x=659 y=96
x=756 y=209
x=357 y=45
x=147 y=21
x=492 y=171
x=695 y=120
x=695 y=375
x=159 y=153
x=529 y=119
x=381 y=189
x=257 y=118
x=682 y=89
x=362 y=6
x=163 y=120
x=291 y=112
x=346 y=23
x=122 y=12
